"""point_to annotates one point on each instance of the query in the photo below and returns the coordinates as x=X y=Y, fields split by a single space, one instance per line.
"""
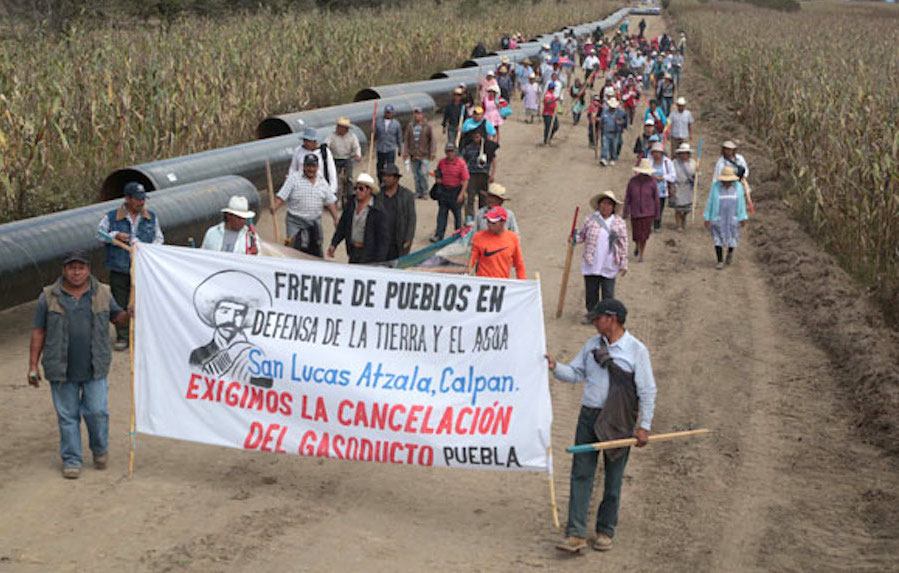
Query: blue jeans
x=76 y=400
x=583 y=470
x=420 y=169
x=610 y=146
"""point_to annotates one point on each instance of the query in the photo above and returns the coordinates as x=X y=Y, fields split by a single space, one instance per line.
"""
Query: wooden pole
x=552 y=490
x=748 y=190
x=564 y=288
x=132 y=426
x=626 y=442
x=371 y=143
x=695 y=181
x=271 y=200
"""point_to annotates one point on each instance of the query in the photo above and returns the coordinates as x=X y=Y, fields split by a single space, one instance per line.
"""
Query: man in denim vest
x=70 y=335
x=131 y=223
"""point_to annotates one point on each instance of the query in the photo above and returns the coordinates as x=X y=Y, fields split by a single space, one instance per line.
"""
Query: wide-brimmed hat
x=458 y=91
x=657 y=146
x=532 y=76
x=645 y=167
x=613 y=103
x=728 y=174
x=368 y=181
x=545 y=46
x=497 y=190
x=597 y=199
x=494 y=88
x=239 y=206
x=681 y=101
x=683 y=148
x=391 y=169
x=504 y=59
x=343 y=121
x=478 y=109
x=729 y=145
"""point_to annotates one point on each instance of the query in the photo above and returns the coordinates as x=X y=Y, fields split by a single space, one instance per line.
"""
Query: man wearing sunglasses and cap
x=618 y=382
x=233 y=235
x=70 y=337
x=496 y=250
x=129 y=224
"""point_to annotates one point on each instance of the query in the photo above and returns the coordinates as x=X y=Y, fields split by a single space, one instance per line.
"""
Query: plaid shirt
x=306 y=199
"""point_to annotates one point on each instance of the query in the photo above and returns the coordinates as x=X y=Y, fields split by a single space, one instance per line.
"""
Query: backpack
x=324 y=149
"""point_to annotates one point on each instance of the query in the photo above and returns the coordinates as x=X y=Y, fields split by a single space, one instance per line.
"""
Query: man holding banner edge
x=619 y=380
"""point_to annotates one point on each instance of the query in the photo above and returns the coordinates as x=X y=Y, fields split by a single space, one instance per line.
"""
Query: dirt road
x=782 y=484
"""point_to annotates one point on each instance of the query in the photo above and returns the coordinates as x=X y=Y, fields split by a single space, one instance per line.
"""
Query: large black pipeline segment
x=359 y=113
x=31 y=250
x=457 y=73
x=440 y=90
x=246 y=160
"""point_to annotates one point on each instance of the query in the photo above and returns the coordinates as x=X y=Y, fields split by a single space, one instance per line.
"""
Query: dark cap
x=135 y=189
x=391 y=169
x=609 y=306
x=310 y=159
x=79 y=255
x=450 y=146
x=389 y=108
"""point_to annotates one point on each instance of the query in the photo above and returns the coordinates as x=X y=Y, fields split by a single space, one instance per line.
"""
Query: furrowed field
x=820 y=86
x=76 y=107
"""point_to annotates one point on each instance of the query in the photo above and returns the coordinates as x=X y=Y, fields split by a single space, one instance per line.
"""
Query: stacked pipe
x=189 y=192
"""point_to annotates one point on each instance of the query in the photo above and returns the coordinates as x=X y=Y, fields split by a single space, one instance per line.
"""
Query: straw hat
x=497 y=190
x=681 y=101
x=458 y=91
x=613 y=103
x=504 y=59
x=478 y=110
x=532 y=76
x=728 y=174
x=729 y=145
x=597 y=199
x=368 y=181
x=343 y=121
x=645 y=167
x=684 y=148
x=239 y=206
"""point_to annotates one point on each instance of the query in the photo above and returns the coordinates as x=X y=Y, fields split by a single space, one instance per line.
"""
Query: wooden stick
x=371 y=143
x=552 y=490
x=626 y=442
x=748 y=190
x=564 y=288
x=132 y=426
x=271 y=200
x=695 y=181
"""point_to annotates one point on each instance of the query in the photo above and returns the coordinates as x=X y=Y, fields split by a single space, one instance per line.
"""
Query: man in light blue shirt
x=613 y=364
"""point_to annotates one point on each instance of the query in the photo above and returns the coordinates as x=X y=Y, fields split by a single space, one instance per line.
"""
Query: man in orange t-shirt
x=494 y=251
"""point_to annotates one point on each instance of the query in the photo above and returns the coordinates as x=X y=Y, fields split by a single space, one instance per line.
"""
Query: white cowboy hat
x=597 y=199
x=657 y=146
x=497 y=190
x=681 y=101
x=239 y=206
x=494 y=88
x=613 y=103
x=645 y=167
x=728 y=174
x=368 y=181
x=684 y=148
x=343 y=121
x=729 y=145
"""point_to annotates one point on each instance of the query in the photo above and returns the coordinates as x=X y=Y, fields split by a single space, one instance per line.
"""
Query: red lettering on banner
x=306 y=449
x=425 y=428
x=286 y=401
x=393 y=448
x=379 y=416
x=253 y=437
x=322 y=451
x=256 y=397
x=446 y=422
x=393 y=410
x=411 y=419
x=462 y=412
x=320 y=413
x=210 y=389
x=364 y=449
x=340 y=408
x=193 y=387
x=361 y=419
x=230 y=394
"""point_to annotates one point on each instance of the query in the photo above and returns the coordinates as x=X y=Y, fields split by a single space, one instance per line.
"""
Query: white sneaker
x=612 y=162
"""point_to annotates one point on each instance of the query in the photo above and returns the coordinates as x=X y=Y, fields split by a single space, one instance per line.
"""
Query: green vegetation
x=78 y=104
x=820 y=86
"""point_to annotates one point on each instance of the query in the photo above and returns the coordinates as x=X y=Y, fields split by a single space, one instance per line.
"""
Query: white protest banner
x=340 y=361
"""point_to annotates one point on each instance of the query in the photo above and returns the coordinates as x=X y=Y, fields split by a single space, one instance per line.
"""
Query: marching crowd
x=601 y=78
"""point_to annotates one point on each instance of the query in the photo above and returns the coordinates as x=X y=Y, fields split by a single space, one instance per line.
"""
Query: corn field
x=76 y=107
x=820 y=86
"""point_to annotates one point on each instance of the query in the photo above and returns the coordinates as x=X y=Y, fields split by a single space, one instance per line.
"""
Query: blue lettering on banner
x=474 y=385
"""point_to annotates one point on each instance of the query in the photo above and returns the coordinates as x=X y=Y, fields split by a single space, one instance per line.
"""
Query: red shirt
x=453 y=173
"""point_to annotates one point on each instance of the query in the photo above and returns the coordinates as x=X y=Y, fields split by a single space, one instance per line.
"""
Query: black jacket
x=377 y=240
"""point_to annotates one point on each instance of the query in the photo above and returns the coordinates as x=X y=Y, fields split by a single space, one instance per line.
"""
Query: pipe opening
x=272 y=127
x=439 y=76
x=114 y=185
x=366 y=94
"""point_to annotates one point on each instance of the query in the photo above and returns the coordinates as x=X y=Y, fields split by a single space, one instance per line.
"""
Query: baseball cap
x=135 y=189
x=649 y=122
x=310 y=134
x=78 y=255
x=310 y=159
x=389 y=108
x=497 y=214
x=450 y=146
x=609 y=306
